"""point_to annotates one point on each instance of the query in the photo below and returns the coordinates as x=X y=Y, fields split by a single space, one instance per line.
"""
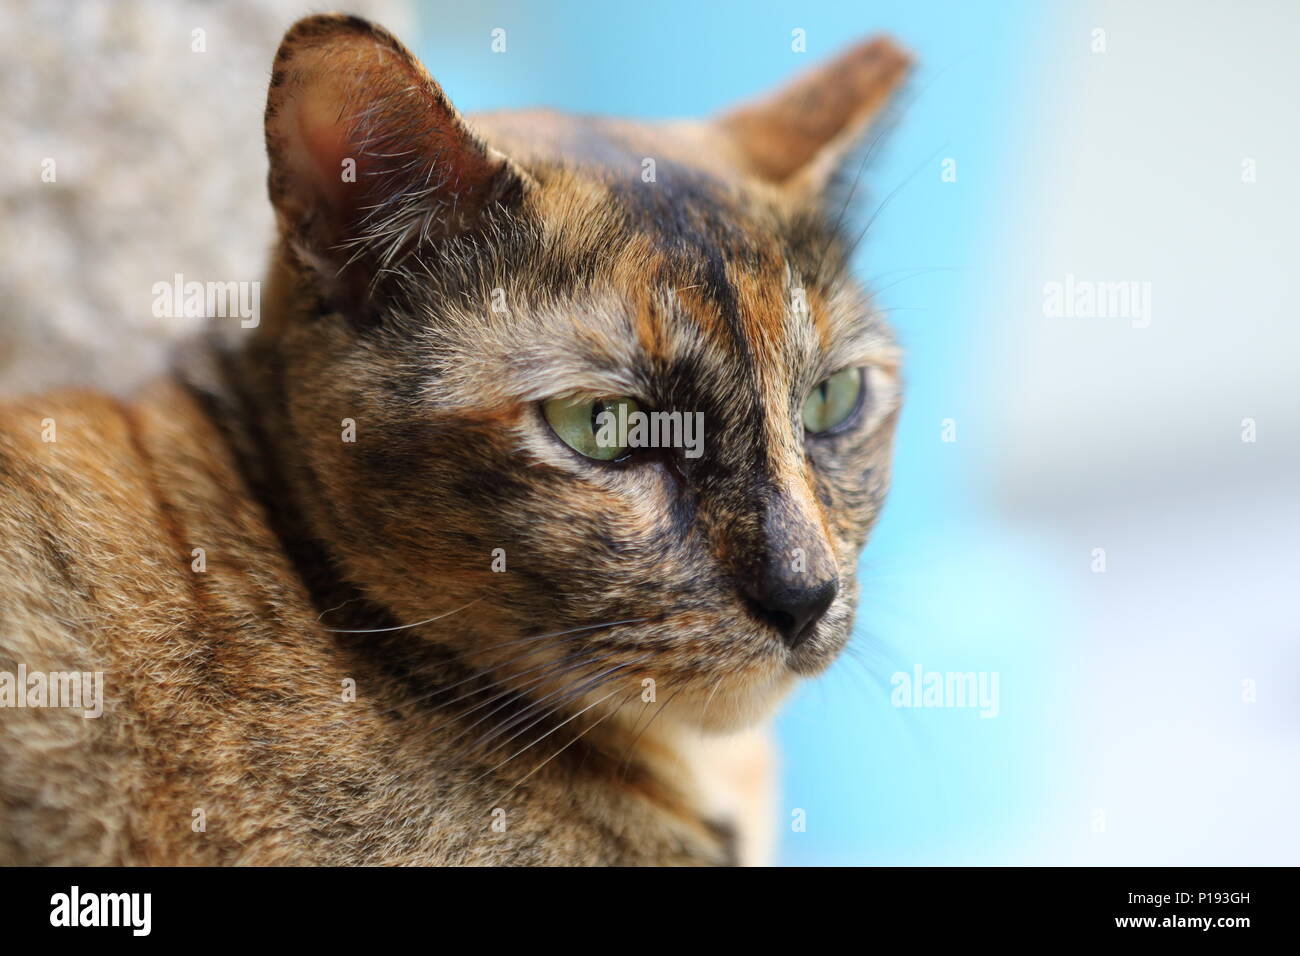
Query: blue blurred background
x=1114 y=530
x=1147 y=712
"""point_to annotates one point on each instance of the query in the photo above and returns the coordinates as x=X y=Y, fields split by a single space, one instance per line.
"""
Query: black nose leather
x=793 y=601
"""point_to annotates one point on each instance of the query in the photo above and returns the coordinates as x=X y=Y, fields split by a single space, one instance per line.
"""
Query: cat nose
x=793 y=601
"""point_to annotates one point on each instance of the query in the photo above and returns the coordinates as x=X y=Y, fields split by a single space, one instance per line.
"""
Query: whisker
x=593 y=726
x=627 y=758
x=400 y=627
x=335 y=608
x=848 y=199
x=704 y=713
x=569 y=695
x=544 y=736
x=867 y=678
x=848 y=255
x=486 y=671
x=574 y=630
x=878 y=290
x=886 y=124
x=559 y=667
x=481 y=674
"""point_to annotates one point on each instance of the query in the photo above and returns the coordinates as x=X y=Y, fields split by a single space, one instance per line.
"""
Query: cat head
x=603 y=393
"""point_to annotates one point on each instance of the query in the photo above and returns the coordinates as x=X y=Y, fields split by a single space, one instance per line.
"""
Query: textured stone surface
x=159 y=169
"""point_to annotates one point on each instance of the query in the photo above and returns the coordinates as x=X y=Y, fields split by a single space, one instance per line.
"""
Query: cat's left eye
x=833 y=401
x=594 y=428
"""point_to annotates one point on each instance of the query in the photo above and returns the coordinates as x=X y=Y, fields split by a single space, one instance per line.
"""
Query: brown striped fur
x=225 y=687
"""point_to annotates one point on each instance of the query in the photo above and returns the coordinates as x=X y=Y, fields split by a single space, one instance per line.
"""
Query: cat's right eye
x=595 y=428
x=833 y=401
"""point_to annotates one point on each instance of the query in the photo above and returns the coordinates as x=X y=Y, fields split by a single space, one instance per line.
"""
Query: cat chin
x=751 y=699
x=730 y=709
x=832 y=636
x=807 y=662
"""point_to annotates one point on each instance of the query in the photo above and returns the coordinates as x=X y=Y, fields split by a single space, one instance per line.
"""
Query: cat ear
x=369 y=160
x=799 y=136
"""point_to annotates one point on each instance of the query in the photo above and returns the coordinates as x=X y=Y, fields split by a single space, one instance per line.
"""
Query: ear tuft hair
x=369 y=161
x=799 y=136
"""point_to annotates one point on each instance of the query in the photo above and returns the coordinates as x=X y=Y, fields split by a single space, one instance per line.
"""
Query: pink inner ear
x=323 y=146
x=411 y=156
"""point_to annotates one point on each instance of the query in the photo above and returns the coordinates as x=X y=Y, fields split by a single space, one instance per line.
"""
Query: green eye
x=591 y=427
x=832 y=401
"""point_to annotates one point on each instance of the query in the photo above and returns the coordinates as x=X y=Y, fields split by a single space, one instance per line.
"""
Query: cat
x=364 y=585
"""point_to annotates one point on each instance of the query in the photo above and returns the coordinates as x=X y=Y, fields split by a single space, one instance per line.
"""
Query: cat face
x=492 y=319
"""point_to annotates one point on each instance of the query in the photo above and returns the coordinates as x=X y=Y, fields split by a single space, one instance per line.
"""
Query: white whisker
x=400 y=627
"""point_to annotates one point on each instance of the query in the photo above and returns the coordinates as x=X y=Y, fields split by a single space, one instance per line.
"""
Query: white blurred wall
x=1106 y=435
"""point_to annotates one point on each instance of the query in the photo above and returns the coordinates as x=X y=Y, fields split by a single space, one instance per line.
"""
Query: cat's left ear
x=369 y=159
x=799 y=136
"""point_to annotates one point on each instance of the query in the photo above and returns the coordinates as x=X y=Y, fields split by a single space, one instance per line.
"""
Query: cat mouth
x=810 y=660
x=811 y=650
x=730 y=698
x=825 y=641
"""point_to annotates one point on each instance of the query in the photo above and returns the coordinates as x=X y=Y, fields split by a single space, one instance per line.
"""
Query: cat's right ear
x=369 y=161
x=799 y=136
